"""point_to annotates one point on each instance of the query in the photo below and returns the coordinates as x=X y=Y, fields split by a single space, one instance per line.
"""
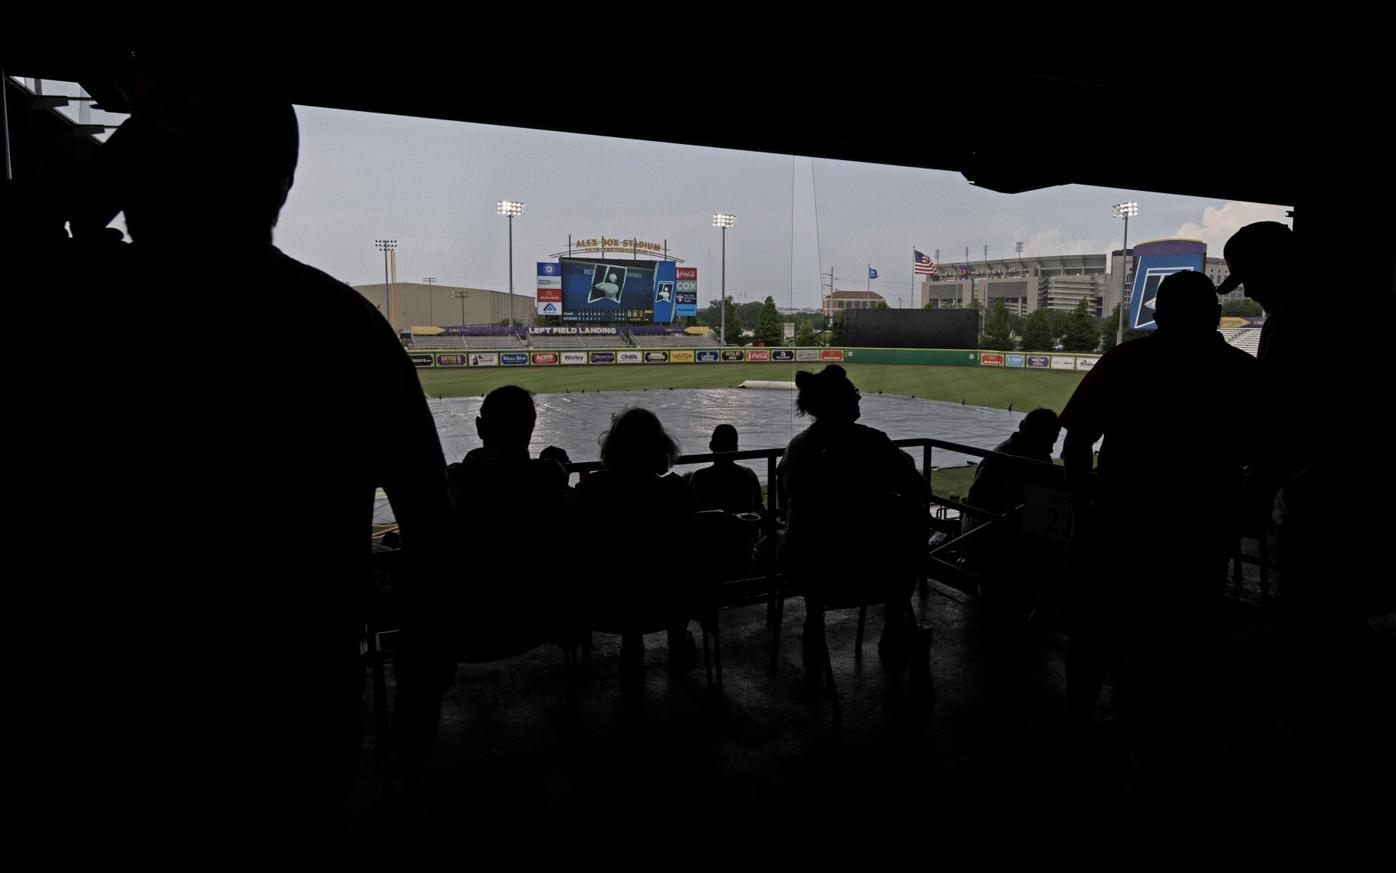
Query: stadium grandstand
x=580 y=341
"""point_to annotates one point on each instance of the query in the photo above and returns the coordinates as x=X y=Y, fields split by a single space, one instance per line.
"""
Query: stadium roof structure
x=856 y=295
x=1269 y=128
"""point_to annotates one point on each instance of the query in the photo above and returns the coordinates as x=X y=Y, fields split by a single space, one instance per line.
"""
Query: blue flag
x=872 y=273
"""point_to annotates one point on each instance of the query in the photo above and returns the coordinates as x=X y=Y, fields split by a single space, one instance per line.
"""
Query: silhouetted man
x=243 y=659
x=725 y=484
x=1157 y=524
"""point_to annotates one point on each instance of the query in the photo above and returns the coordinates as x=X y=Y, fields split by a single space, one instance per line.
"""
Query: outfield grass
x=976 y=386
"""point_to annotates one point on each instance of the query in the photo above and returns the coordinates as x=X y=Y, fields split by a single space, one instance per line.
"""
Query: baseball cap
x=1261 y=242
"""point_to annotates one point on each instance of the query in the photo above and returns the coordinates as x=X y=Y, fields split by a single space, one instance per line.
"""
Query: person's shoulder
x=307 y=280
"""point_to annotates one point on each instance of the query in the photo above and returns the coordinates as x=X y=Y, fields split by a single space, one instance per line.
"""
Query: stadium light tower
x=511 y=209
x=385 y=246
x=723 y=220
x=430 y=281
x=1125 y=211
x=460 y=295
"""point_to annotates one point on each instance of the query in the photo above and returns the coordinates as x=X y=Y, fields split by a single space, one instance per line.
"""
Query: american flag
x=924 y=266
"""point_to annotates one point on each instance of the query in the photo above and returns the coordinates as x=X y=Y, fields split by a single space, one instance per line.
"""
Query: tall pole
x=509 y=209
x=511 y=274
x=385 y=246
x=723 y=331
x=1123 y=210
x=430 y=281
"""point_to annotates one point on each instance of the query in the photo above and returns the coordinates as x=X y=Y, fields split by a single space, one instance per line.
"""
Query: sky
x=433 y=185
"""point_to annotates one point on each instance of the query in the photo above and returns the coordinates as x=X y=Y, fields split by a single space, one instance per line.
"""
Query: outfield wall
x=818 y=355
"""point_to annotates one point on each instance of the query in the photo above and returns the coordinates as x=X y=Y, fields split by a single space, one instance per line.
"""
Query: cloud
x=1220 y=222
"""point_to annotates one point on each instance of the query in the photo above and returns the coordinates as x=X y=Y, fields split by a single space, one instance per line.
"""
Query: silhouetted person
x=247 y=703
x=725 y=484
x=635 y=509
x=1153 y=531
x=856 y=522
x=493 y=615
x=998 y=485
x=1000 y=556
x=1329 y=496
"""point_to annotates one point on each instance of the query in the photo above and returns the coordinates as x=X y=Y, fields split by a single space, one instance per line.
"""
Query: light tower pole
x=723 y=220
x=385 y=246
x=1123 y=210
x=430 y=281
x=511 y=209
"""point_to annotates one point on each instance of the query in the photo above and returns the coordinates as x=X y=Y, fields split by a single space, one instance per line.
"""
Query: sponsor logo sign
x=484 y=359
x=683 y=356
x=758 y=354
x=420 y=359
x=788 y=330
x=1013 y=360
x=450 y=360
x=1039 y=362
x=629 y=357
x=603 y=357
x=1063 y=362
x=513 y=359
x=733 y=355
x=806 y=355
x=831 y=355
x=706 y=356
x=549 y=297
x=688 y=274
x=574 y=357
x=782 y=355
x=544 y=358
x=656 y=357
x=1085 y=363
x=990 y=359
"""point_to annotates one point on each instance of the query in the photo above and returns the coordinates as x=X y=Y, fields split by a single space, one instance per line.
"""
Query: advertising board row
x=627 y=356
x=1076 y=363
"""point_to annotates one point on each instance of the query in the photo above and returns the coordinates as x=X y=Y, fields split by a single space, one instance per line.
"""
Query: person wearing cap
x=1153 y=526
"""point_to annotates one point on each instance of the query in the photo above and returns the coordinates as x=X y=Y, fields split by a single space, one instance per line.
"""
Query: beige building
x=1023 y=284
x=419 y=304
x=840 y=301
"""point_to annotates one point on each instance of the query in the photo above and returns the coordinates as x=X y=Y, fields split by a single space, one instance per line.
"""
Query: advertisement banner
x=1013 y=360
x=831 y=355
x=1063 y=362
x=1083 y=364
x=1153 y=262
x=629 y=358
x=788 y=330
x=574 y=357
x=1039 y=362
x=706 y=356
x=806 y=355
x=664 y=290
x=783 y=356
x=422 y=359
x=730 y=355
x=990 y=359
x=456 y=360
x=681 y=356
x=484 y=359
x=758 y=355
x=549 y=288
x=656 y=357
x=603 y=357
x=514 y=359
x=686 y=291
x=541 y=359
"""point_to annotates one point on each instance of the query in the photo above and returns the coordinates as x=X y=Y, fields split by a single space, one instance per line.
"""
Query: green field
x=976 y=386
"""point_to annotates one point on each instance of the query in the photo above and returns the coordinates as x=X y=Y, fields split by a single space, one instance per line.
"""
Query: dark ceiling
x=1008 y=129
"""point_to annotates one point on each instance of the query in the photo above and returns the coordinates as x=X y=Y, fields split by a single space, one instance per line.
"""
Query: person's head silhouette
x=1040 y=429
x=1187 y=305
x=637 y=443
x=506 y=419
x=1256 y=256
x=828 y=395
x=202 y=157
x=724 y=439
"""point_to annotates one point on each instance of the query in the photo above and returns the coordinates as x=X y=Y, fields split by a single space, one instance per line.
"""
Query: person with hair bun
x=856 y=503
